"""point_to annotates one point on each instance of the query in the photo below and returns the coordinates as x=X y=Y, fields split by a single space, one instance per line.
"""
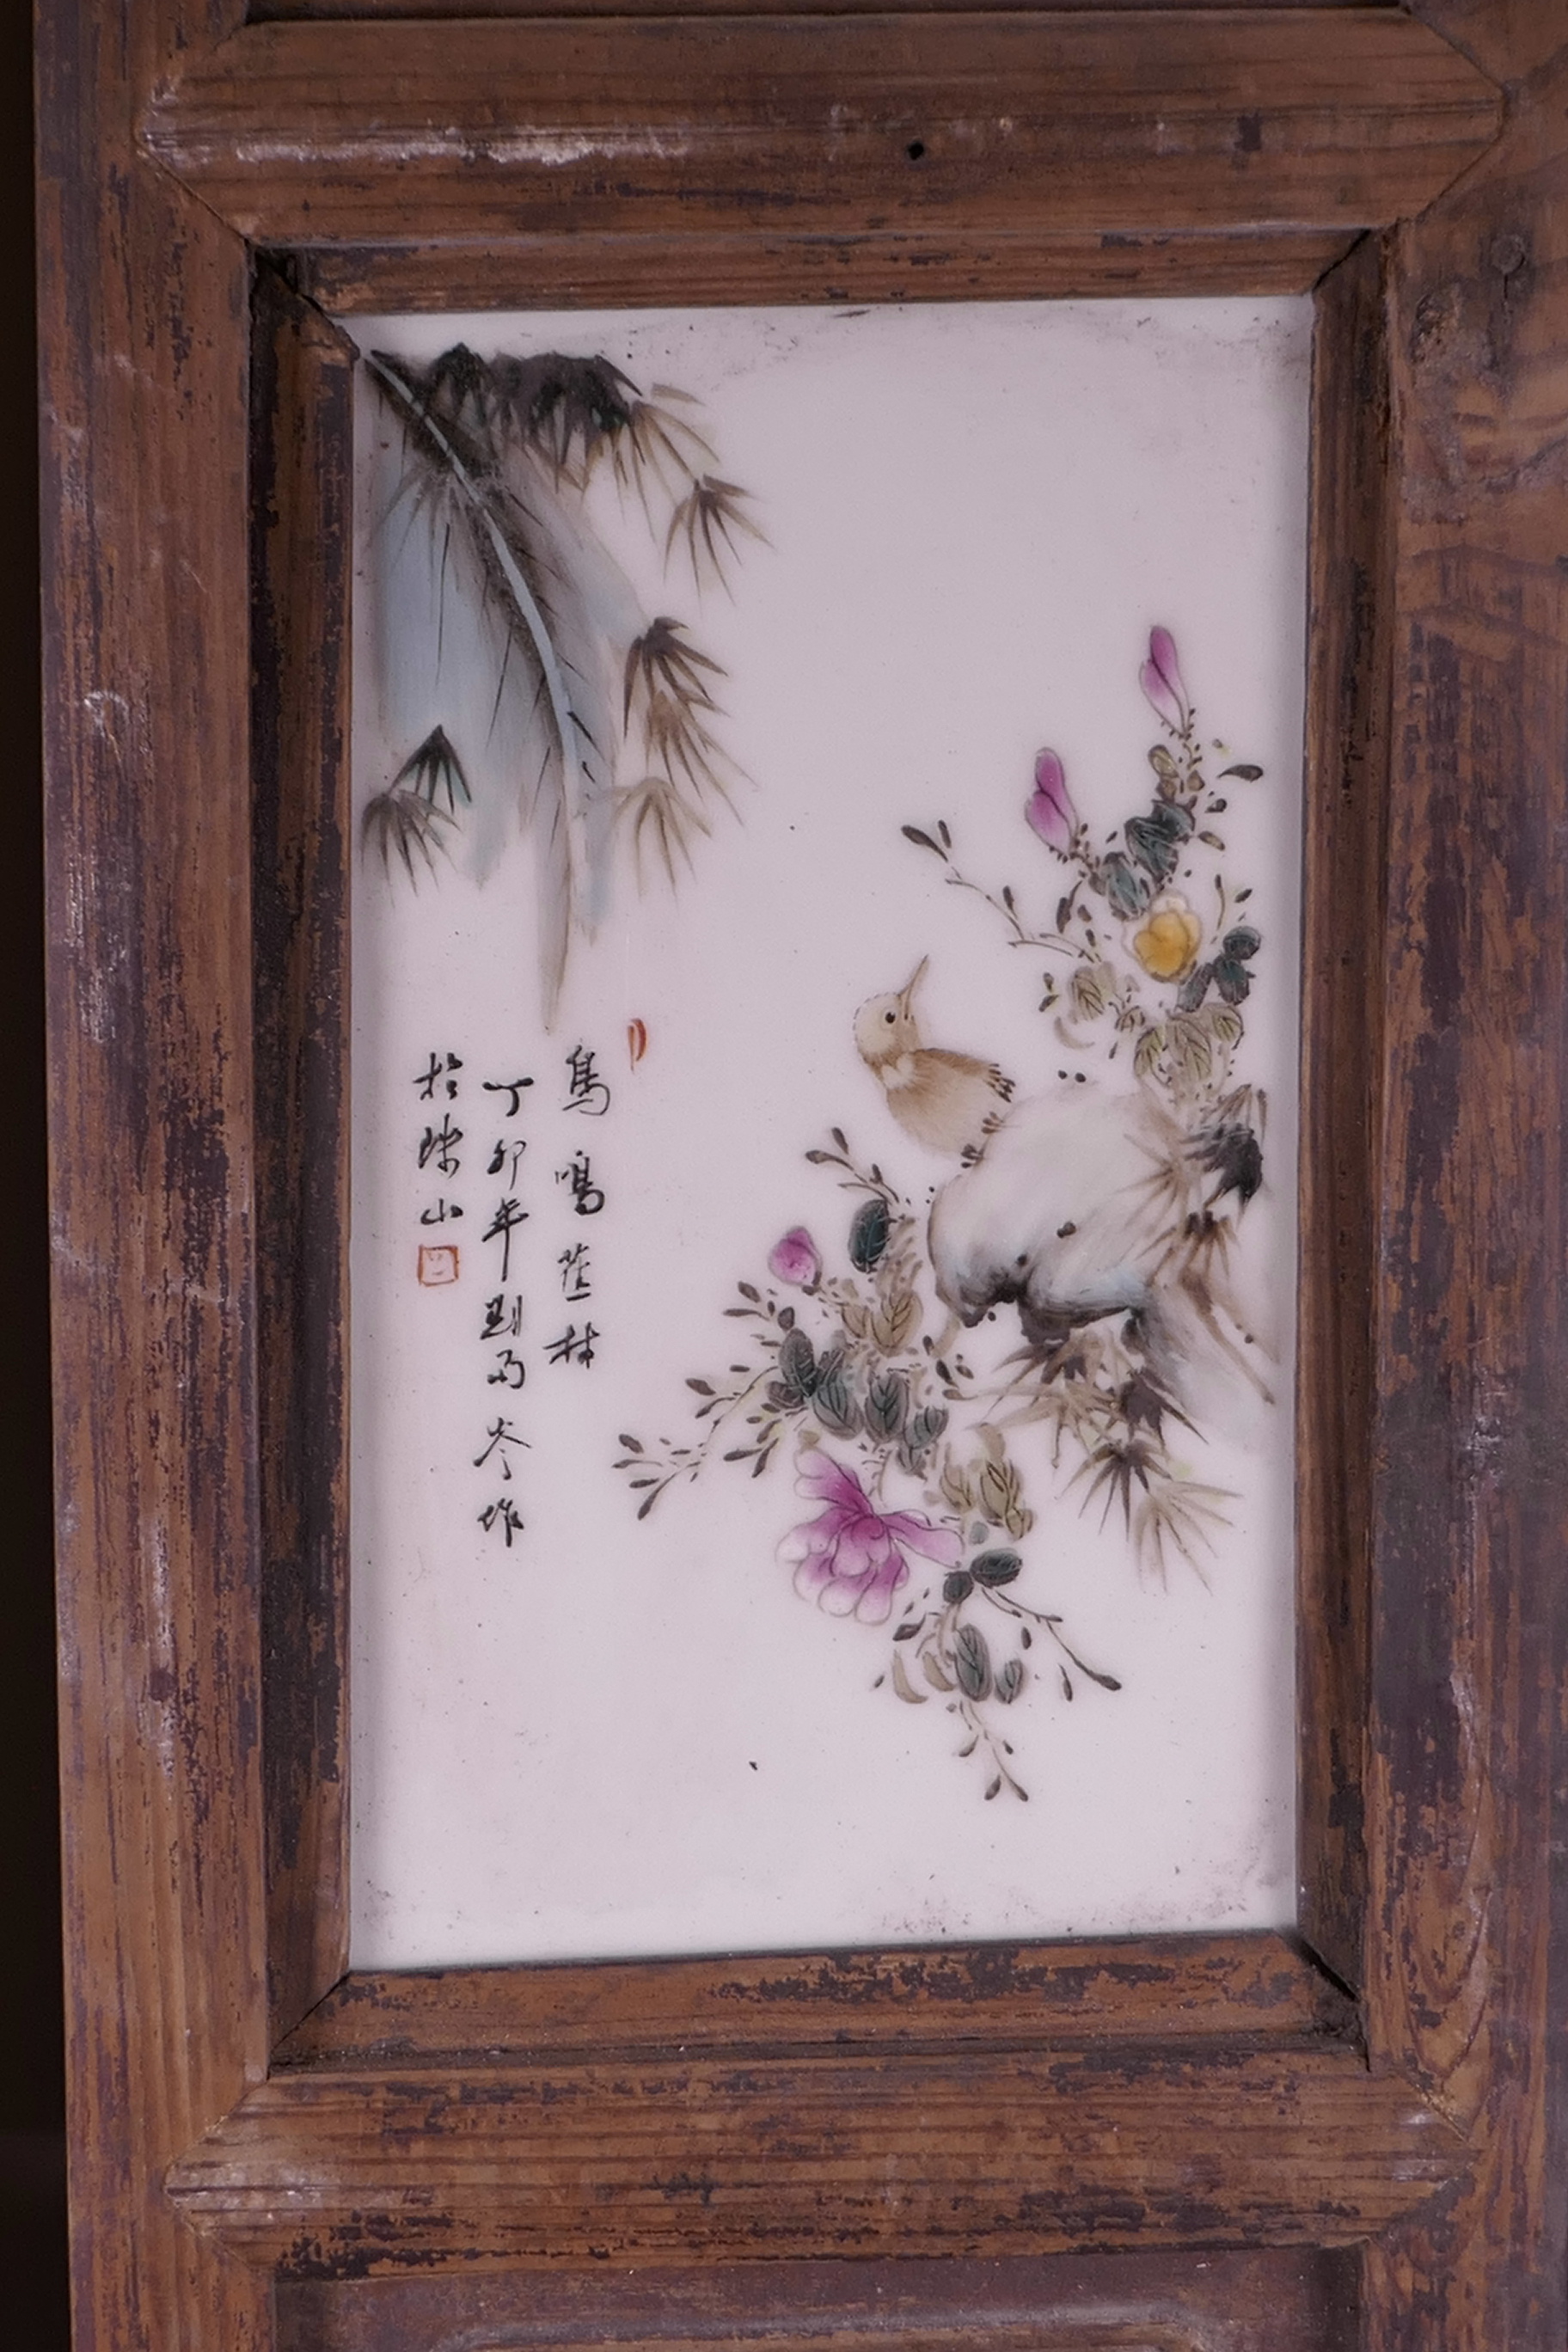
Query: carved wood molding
x=757 y=2158
x=1156 y=1989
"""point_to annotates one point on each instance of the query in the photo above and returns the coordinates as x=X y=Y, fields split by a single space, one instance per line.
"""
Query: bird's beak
x=913 y=981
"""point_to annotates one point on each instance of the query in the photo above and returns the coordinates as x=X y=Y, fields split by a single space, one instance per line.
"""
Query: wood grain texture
x=143 y=305
x=1284 y=2301
x=301 y=530
x=978 y=124
x=1349 y=635
x=1155 y=1989
x=268 y=11
x=500 y=2120
x=1468 y=1933
x=994 y=2152
x=585 y=271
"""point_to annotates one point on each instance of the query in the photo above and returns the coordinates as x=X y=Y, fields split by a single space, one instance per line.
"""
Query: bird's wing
x=965 y=1066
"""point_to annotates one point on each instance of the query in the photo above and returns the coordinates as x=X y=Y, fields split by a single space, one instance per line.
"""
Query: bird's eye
x=890 y=1018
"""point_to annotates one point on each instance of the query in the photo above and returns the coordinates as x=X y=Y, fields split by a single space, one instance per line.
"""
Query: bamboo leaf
x=562 y=781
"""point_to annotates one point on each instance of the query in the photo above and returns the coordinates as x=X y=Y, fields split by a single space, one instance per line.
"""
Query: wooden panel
x=1158 y=1987
x=266 y=12
x=975 y=124
x=629 y=271
x=995 y=2151
x=1277 y=2301
x=984 y=2142
x=145 y=702
x=1349 y=618
x=1468 y=1921
x=302 y=491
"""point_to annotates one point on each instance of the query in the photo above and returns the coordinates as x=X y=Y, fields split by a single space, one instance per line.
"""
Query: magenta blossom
x=796 y=1259
x=850 y=1559
x=1049 y=807
x=1161 y=680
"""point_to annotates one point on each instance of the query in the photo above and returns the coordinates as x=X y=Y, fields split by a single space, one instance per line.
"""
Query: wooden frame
x=507 y=2151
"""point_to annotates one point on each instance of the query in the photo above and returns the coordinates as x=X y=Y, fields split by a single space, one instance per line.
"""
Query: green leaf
x=1245 y=770
x=995 y=1568
x=1128 y=891
x=1010 y=1681
x=1152 y=848
x=1155 y=840
x=1090 y=990
x=1192 y=1050
x=972 y=1661
x=922 y=840
x=958 y=1585
x=868 y=1233
x=887 y=1402
x=797 y=1363
x=1150 y=1047
x=1242 y=944
x=1194 y=988
x=924 y=1428
x=834 y=1405
x=1233 y=980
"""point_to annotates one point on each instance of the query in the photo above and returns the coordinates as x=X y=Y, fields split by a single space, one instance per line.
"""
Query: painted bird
x=1086 y=1205
x=949 y=1102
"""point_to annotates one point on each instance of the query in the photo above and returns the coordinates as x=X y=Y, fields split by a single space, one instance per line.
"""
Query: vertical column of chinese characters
x=438 y=1085
x=587 y=1096
x=501 y=1324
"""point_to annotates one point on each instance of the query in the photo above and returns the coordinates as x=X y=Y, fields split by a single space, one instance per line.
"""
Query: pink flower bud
x=1161 y=680
x=1049 y=808
x=795 y=1260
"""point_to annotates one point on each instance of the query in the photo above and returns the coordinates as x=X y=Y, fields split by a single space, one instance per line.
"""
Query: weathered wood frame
x=1394 y=2078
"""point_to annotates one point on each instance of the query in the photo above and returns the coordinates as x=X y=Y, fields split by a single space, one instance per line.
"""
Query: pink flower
x=795 y=1260
x=850 y=1559
x=1161 y=680
x=1049 y=807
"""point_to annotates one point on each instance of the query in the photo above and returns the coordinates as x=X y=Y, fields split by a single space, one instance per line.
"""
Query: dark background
x=32 y=2138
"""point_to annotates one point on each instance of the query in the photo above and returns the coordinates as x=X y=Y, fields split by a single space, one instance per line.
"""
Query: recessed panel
x=826 y=948
x=1272 y=2300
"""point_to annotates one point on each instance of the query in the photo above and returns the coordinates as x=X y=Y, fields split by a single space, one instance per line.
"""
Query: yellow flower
x=1170 y=939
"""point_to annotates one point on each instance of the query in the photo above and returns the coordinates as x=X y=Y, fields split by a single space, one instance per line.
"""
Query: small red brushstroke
x=637 y=1041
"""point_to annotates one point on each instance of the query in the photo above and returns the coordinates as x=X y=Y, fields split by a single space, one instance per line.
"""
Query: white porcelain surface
x=610 y=1735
